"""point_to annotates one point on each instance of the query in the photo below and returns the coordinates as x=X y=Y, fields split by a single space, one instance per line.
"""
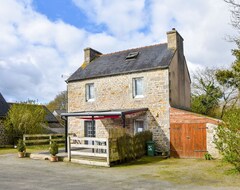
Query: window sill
x=138 y=97
x=90 y=100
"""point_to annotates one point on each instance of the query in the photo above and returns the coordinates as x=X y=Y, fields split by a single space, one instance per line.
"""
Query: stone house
x=134 y=89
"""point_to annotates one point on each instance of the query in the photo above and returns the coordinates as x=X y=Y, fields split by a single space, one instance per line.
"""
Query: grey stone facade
x=116 y=92
x=211 y=147
x=3 y=137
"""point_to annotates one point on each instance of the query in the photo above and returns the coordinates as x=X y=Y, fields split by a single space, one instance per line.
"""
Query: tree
x=210 y=95
x=235 y=11
x=59 y=102
x=227 y=137
x=206 y=92
x=231 y=77
x=24 y=118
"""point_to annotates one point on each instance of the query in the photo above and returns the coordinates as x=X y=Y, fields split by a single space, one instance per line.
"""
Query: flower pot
x=53 y=158
x=21 y=154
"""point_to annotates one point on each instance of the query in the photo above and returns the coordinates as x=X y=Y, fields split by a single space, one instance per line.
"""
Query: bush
x=132 y=147
x=21 y=147
x=227 y=137
x=208 y=156
x=53 y=149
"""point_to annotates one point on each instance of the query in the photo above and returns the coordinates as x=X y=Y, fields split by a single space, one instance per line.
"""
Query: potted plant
x=53 y=151
x=21 y=147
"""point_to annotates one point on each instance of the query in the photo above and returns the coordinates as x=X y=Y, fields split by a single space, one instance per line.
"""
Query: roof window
x=132 y=55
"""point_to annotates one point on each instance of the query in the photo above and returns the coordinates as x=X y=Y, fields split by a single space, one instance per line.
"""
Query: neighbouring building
x=3 y=113
x=136 y=89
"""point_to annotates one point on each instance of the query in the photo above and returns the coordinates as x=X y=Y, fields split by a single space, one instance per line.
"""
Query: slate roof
x=59 y=112
x=150 y=57
x=3 y=106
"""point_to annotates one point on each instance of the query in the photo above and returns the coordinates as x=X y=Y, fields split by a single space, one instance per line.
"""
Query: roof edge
x=122 y=73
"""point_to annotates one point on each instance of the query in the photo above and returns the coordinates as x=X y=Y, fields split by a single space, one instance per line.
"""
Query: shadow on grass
x=141 y=161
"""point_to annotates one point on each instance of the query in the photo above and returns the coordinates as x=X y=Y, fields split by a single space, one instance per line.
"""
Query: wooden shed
x=191 y=134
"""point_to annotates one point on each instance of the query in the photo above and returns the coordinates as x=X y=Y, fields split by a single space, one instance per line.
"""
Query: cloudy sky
x=42 y=42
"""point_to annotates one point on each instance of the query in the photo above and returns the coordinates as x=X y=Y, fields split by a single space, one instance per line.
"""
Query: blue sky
x=41 y=41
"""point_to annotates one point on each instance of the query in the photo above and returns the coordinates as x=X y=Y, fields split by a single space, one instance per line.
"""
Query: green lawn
x=187 y=171
x=30 y=149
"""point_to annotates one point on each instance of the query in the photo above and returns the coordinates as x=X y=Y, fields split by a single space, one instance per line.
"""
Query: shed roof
x=149 y=57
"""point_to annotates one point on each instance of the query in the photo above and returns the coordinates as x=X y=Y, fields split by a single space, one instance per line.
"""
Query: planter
x=21 y=154
x=53 y=158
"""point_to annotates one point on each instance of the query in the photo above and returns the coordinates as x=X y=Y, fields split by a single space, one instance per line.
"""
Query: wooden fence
x=89 y=147
x=37 y=139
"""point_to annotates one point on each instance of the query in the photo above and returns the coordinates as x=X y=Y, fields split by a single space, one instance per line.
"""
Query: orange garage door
x=188 y=140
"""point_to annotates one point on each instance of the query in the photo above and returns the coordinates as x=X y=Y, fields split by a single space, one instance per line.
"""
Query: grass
x=186 y=171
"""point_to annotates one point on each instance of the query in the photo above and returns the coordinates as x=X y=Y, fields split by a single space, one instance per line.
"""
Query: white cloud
x=121 y=17
x=35 y=51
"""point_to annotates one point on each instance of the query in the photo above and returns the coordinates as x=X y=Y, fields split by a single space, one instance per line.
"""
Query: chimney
x=175 y=40
x=90 y=54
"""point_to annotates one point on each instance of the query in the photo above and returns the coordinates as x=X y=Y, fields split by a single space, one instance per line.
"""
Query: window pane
x=138 y=86
x=139 y=126
x=91 y=91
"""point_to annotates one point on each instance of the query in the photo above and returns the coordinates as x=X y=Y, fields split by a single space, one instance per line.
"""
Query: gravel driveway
x=26 y=173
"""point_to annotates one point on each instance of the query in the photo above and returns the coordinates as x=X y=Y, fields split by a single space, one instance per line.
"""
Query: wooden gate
x=188 y=140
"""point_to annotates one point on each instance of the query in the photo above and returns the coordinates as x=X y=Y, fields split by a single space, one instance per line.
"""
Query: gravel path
x=26 y=173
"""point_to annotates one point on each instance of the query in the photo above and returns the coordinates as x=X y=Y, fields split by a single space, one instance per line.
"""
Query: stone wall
x=115 y=92
x=211 y=147
x=3 y=137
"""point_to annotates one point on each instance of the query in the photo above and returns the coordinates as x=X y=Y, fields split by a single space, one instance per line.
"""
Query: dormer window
x=132 y=55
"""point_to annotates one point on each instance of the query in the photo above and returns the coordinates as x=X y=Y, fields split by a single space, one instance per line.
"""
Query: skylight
x=132 y=55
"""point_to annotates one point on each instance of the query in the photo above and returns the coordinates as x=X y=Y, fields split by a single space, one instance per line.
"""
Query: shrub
x=227 y=137
x=208 y=156
x=21 y=146
x=53 y=148
x=132 y=147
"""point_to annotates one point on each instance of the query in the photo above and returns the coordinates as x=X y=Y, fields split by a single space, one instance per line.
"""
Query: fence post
x=69 y=148
x=108 y=152
x=50 y=139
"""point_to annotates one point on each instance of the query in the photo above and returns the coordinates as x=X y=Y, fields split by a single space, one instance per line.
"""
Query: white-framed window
x=138 y=126
x=90 y=95
x=89 y=129
x=138 y=87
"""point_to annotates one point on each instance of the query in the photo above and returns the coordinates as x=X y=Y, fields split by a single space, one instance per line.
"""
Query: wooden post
x=24 y=138
x=50 y=139
x=108 y=152
x=123 y=121
x=66 y=133
x=69 y=148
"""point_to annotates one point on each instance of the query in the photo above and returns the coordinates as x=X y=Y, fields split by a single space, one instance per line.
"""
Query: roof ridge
x=133 y=49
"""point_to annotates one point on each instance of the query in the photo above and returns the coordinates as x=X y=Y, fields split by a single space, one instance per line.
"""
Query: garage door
x=188 y=140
